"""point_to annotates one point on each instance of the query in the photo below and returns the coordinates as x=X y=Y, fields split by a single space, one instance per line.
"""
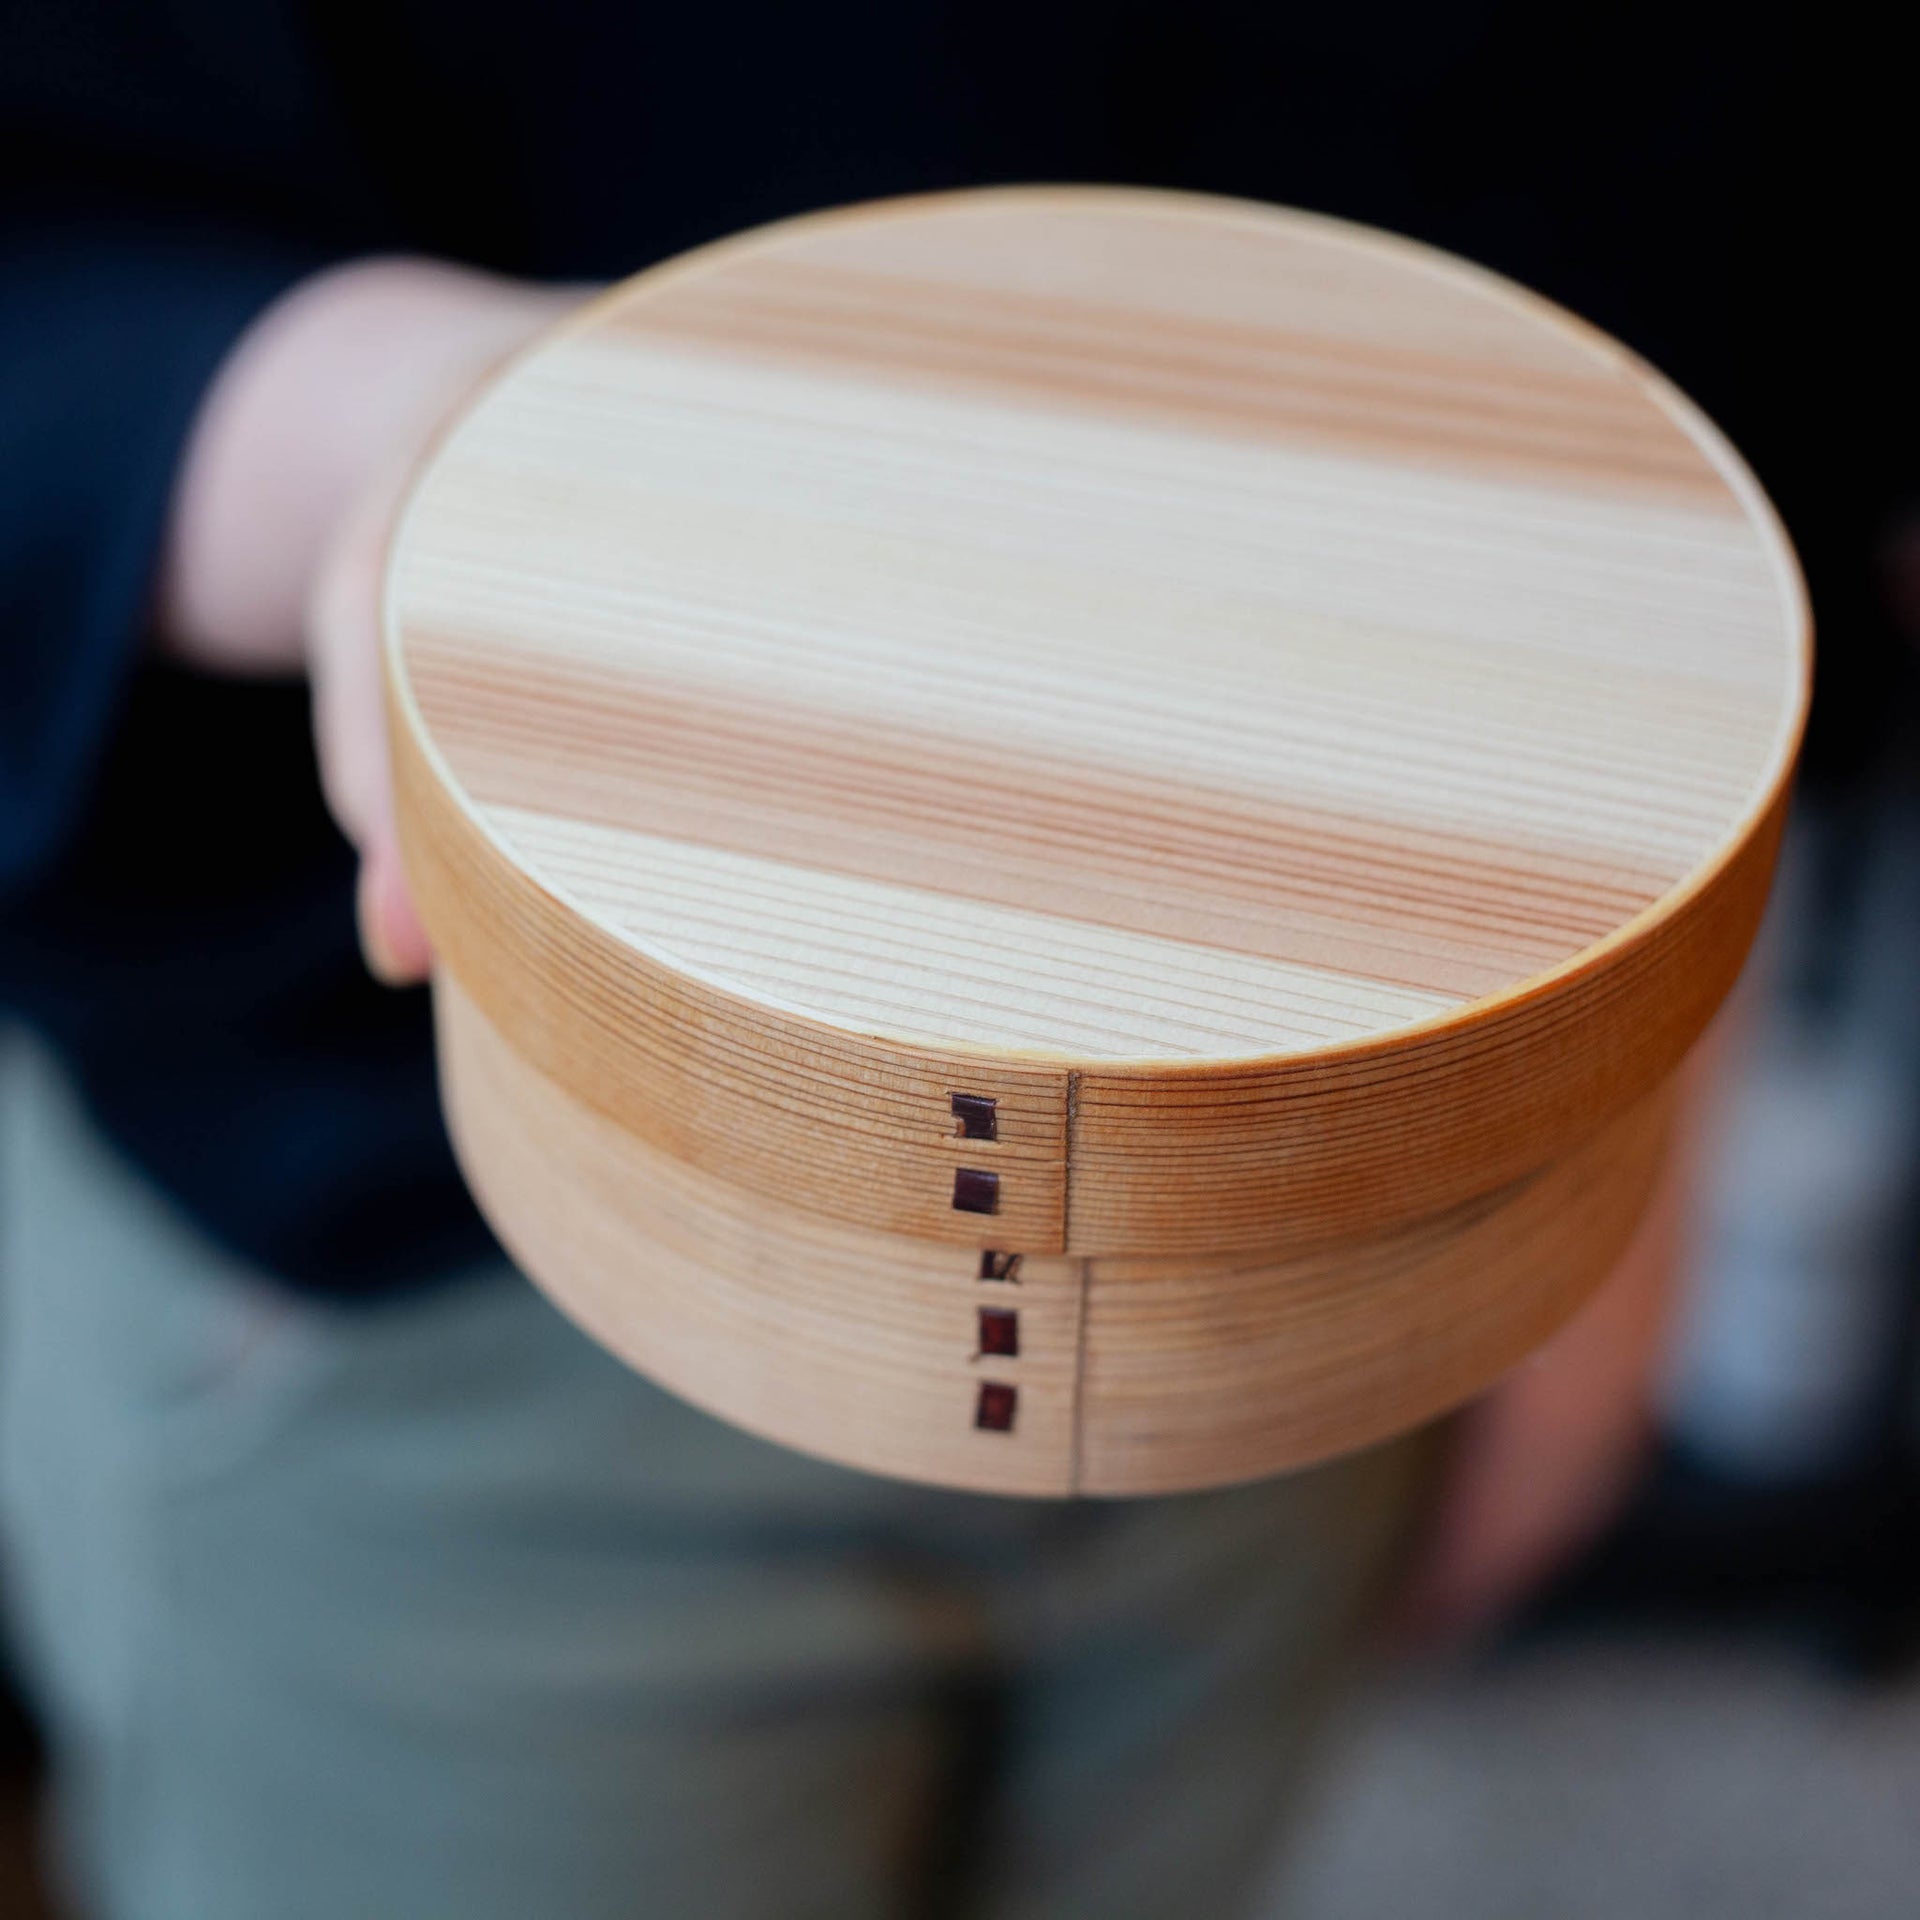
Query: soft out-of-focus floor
x=1576 y=1780
x=1616 y=1780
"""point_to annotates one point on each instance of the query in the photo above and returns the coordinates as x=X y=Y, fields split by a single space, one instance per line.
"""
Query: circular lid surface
x=1095 y=629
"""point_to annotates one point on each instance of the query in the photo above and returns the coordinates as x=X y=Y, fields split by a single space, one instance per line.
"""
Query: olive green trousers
x=431 y=1611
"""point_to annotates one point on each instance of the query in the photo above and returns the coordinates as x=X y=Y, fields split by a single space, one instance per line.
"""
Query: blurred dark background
x=1717 y=1711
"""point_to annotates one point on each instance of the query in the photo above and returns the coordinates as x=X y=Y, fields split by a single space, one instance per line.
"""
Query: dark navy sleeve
x=110 y=331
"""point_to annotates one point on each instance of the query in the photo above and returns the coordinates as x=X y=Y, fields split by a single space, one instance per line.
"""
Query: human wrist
x=347 y=373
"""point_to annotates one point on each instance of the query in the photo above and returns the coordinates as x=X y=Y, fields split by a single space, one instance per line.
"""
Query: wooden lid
x=1092 y=721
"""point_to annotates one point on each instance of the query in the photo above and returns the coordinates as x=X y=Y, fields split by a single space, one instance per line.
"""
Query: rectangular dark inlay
x=1000 y=1266
x=975 y=1190
x=996 y=1406
x=1000 y=1332
x=977 y=1116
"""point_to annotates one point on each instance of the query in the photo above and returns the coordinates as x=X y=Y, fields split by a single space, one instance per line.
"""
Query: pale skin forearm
x=346 y=374
x=298 y=455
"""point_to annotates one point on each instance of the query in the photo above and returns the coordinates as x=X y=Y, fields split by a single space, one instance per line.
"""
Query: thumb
x=392 y=940
x=350 y=737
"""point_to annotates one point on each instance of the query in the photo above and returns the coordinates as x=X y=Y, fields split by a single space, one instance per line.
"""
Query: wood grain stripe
x=928 y=967
x=1591 y=426
x=1386 y=901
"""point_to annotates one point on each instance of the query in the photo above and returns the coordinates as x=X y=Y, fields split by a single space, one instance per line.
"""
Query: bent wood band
x=1072 y=835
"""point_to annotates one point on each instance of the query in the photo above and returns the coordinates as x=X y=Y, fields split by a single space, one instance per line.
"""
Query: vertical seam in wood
x=1080 y=1305
x=1074 y=1446
x=1066 y=1163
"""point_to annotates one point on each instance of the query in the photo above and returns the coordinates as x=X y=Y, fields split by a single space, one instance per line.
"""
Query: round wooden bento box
x=1072 y=835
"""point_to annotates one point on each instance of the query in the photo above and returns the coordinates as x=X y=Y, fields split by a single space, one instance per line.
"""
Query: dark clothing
x=174 y=908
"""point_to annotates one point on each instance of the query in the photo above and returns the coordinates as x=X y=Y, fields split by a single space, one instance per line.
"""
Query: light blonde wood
x=1133 y=1376
x=1198 y=1372
x=847 y=1343
x=1299 y=724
